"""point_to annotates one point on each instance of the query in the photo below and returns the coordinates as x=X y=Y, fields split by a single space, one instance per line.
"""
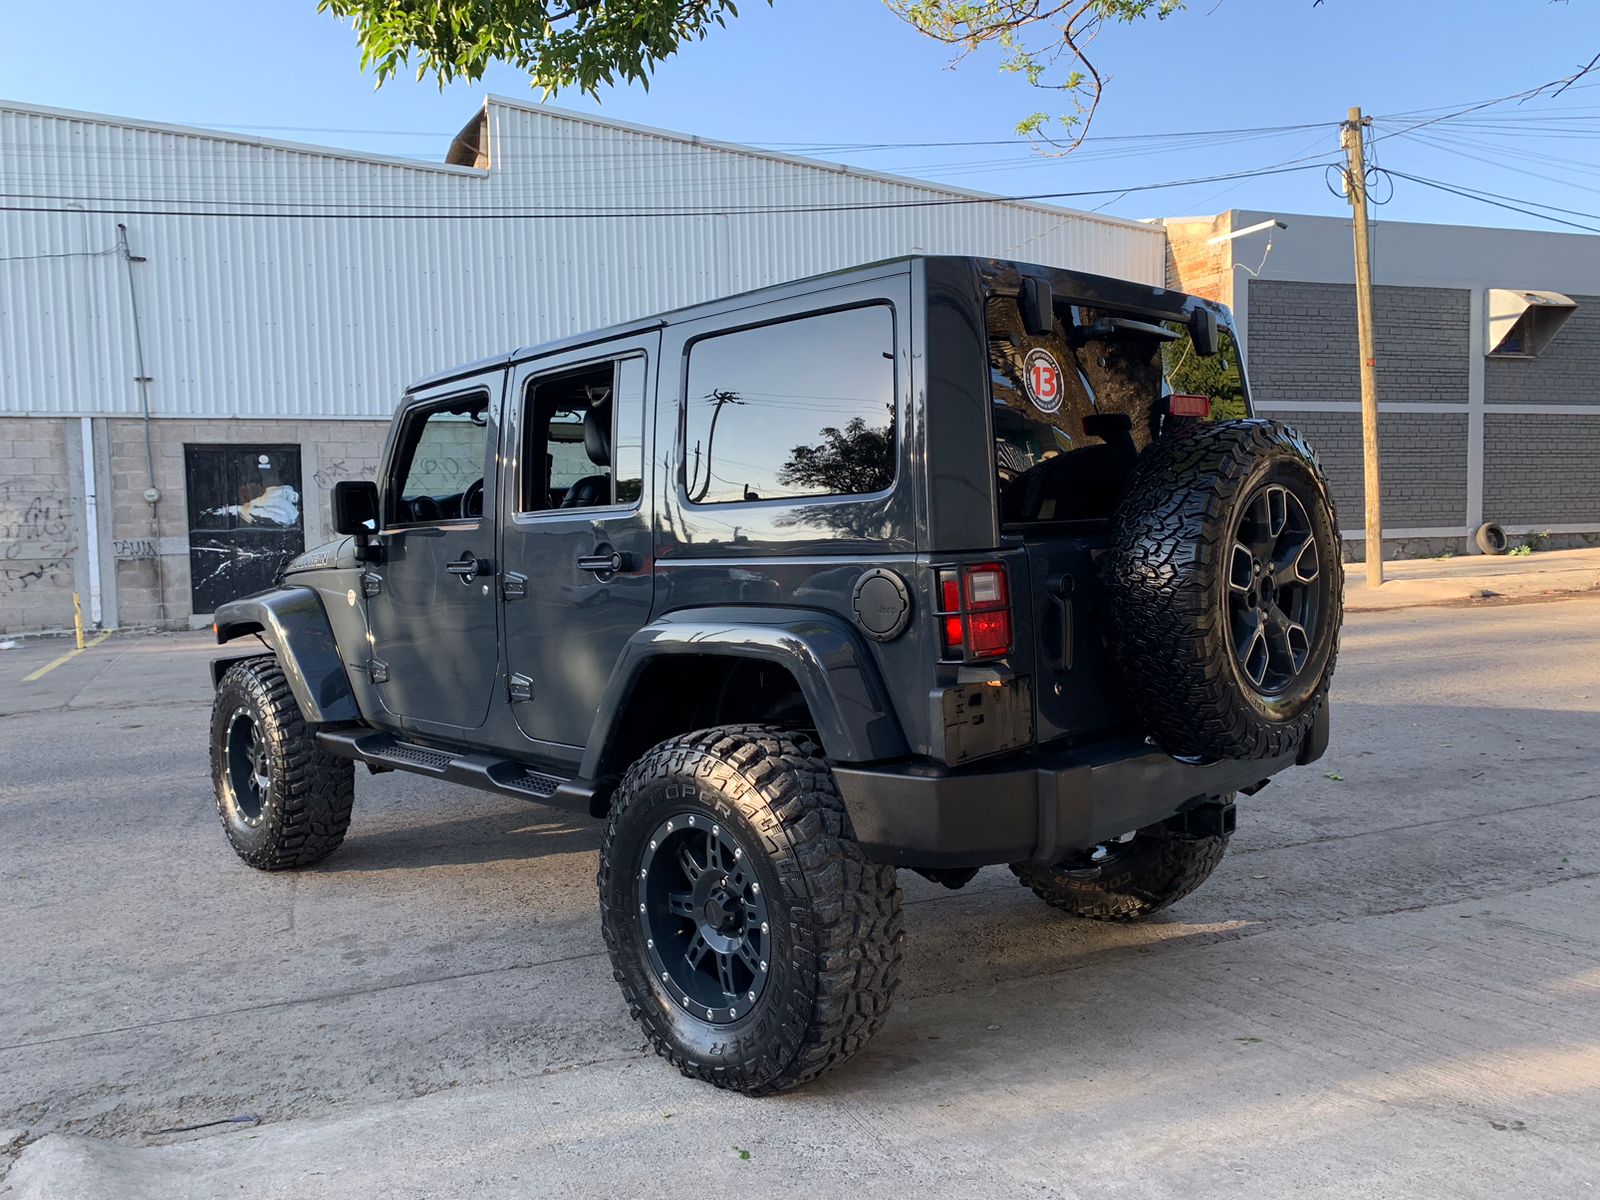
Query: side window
x=583 y=444
x=803 y=407
x=438 y=474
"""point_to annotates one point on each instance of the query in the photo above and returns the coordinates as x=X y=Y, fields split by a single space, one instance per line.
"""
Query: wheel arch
x=294 y=626
x=693 y=668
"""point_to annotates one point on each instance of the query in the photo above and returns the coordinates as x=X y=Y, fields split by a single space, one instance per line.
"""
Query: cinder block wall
x=1545 y=467
x=40 y=518
x=155 y=590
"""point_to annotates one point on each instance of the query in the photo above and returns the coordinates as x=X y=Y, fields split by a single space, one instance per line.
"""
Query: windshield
x=1074 y=410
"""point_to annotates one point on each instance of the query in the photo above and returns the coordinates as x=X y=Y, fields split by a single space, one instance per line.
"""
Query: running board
x=482 y=771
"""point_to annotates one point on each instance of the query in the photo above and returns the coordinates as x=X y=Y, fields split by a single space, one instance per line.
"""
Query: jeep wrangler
x=937 y=563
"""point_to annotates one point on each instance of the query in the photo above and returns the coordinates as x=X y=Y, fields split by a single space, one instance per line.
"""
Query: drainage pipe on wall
x=152 y=494
x=91 y=519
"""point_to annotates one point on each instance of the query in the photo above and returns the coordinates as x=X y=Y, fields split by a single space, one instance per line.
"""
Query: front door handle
x=606 y=561
x=468 y=567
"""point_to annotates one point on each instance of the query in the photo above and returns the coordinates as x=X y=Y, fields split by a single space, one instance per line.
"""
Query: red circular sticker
x=1041 y=375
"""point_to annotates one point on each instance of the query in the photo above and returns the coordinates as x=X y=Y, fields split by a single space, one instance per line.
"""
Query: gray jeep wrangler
x=936 y=563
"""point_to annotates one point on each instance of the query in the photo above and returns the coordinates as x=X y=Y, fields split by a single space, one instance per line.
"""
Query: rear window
x=1073 y=411
x=800 y=408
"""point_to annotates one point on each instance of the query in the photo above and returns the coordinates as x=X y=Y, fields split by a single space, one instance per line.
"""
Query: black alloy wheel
x=248 y=775
x=704 y=918
x=1276 y=589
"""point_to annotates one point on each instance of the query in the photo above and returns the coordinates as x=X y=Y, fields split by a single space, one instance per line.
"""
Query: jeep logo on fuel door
x=1041 y=376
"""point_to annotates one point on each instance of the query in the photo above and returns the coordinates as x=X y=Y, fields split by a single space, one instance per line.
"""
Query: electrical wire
x=1513 y=203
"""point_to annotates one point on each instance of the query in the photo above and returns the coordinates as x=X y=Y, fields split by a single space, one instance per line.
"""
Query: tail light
x=1180 y=404
x=974 y=611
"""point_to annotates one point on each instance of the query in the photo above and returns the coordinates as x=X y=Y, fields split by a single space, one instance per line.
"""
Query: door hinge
x=371 y=583
x=520 y=688
x=377 y=671
x=514 y=586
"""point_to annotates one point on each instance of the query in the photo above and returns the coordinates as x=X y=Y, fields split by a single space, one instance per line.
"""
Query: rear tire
x=753 y=942
x=1145 y=874
x=284 y=801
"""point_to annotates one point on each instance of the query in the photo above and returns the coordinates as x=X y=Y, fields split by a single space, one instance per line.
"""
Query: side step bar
x=481 y=771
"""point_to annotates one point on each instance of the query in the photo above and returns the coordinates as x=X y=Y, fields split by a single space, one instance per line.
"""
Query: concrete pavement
x=1418 y=582
x=1390 y=987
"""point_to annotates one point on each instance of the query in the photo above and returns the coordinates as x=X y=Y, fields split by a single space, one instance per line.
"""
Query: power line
x=1513 y=203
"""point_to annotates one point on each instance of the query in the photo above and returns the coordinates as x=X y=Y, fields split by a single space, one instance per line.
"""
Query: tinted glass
x=1073 y=410
x=441 y=464
x=559 y=469
x=799 y=408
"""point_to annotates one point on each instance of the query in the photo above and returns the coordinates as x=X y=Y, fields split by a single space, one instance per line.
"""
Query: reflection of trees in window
x=852 y=461
x=1217 y=377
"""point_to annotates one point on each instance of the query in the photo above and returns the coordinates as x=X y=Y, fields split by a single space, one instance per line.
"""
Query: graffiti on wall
x=37 y=535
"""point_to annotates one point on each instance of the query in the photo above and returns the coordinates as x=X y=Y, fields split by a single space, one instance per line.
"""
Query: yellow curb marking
x=70 y=654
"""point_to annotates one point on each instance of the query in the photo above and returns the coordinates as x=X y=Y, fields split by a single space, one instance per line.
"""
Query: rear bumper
x=1037 y=808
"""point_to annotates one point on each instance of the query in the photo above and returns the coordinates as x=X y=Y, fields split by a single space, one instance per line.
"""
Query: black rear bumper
x=1039 y=807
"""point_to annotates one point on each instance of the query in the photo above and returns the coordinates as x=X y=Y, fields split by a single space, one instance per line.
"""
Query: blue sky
x=835 y=72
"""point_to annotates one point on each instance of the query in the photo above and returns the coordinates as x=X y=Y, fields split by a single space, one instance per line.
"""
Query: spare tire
x=1225 y=590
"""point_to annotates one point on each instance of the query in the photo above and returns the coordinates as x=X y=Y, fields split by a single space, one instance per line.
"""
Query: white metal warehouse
x=177 y=305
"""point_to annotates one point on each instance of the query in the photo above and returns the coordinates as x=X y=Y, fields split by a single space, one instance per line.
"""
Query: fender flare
x=295 y=627
x=841 y=685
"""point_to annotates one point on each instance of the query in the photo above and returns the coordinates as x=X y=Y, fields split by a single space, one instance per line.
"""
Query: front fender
x=293 y=623
x=837 y=677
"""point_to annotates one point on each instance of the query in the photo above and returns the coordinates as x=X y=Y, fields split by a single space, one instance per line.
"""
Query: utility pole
x=1356 y=189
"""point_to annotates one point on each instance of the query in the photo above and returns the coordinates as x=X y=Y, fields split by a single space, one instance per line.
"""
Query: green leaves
x=1044 y=41
x=561 y=44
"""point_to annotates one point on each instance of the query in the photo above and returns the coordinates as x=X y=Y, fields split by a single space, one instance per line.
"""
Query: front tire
x=284 y=801
x=753 y=942
x=1127 y=879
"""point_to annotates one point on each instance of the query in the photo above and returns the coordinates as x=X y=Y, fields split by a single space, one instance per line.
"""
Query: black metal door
x=246 y=519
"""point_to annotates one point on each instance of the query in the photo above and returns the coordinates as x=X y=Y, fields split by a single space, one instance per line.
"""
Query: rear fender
x=849 y=704
x=294 y=625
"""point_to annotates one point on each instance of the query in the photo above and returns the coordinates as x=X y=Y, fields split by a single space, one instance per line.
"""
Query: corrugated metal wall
x=343 y=283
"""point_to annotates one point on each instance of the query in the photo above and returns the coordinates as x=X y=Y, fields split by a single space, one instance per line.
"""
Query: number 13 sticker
x=1042 y=377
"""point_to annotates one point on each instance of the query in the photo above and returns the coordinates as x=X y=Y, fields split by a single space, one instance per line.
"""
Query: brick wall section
x=1541 y=469
x=40 y=515
x=1424 y=465
x=1198 y=268
x=1568 y=372
x=1303 y=343
x=329 y=451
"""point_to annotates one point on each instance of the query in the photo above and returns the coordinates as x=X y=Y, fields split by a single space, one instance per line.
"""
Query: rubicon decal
x=1041 y=376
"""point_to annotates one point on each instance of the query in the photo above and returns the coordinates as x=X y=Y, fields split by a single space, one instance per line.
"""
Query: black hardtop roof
x=1104 y=287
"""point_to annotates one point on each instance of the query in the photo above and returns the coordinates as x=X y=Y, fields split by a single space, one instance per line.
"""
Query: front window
x=439 y=472
x=798 y=408
x=1074 y=410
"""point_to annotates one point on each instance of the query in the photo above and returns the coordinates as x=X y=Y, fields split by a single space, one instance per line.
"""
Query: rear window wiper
x=1107 y=327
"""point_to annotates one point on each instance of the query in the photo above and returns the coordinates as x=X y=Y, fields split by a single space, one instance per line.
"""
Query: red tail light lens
x=988 y=609
x=1180 y=404
x=975 y=612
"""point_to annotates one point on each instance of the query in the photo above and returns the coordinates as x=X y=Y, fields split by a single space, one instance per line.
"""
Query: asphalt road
x=1391 y=987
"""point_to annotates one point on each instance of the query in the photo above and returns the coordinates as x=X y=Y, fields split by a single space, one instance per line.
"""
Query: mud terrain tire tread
x=312 y=790
x=1167 y=621
x=844 y=910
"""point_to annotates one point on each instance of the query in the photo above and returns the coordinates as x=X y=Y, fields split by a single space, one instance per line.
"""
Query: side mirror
x=355 y=506
x=1203 y=331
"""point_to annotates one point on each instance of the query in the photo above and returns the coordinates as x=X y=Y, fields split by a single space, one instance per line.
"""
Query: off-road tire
x=1166 y=584
x=1155 y=869
x=836 y=936
x=307 y=808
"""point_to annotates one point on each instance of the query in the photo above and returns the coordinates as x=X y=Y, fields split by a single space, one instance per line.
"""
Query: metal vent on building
x=1521 y=323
